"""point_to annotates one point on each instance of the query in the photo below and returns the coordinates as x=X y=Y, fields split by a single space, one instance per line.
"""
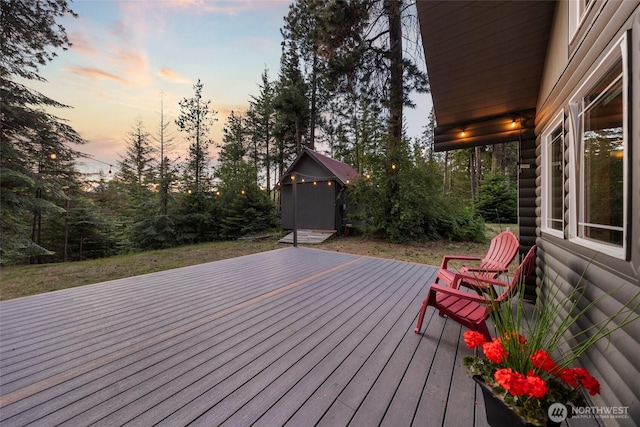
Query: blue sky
x=125 y=54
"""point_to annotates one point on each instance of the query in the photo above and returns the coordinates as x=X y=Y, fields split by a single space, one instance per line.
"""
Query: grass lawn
x=19 y=281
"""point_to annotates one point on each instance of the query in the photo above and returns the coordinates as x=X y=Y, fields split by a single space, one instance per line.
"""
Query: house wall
x=616 y=363
x=558 y=53
x=527 y=205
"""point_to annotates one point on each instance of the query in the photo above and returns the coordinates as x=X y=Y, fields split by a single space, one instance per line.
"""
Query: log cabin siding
x=615 y=362
x=527 y=204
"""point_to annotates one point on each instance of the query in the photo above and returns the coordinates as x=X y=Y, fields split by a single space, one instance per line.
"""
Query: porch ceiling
x=485 y=61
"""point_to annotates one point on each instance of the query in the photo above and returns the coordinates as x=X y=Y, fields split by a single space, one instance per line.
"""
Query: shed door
x=316 y=206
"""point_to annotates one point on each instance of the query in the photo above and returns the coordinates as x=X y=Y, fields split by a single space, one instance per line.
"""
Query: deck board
x=296 y=336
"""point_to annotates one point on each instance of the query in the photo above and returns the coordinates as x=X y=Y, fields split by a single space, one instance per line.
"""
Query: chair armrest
x=447 y=258
x=484 y=269
x=458 y=293
x=476 y=281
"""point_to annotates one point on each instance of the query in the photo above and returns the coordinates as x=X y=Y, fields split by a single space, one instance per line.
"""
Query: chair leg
x=423 y=309
x=484 y=330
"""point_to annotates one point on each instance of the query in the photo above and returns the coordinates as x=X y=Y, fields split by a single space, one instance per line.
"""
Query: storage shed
x=319 y=180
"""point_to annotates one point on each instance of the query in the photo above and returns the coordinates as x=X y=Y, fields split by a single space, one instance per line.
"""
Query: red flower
x=542 y=360
x=537 y=386
x=494 y=351
x=474 y=339
x=514 y=382
x=503 y=377
x=567 y=375
x=580 y=376
x=588 y=381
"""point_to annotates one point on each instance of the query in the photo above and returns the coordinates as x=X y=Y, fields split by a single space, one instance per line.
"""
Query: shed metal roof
x=340 y=171
x=485 y=61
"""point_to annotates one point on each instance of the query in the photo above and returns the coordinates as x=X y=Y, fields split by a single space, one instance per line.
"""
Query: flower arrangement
x=530 y=364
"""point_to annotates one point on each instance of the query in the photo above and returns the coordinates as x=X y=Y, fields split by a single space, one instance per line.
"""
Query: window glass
x=601 y=206
x=556 y=180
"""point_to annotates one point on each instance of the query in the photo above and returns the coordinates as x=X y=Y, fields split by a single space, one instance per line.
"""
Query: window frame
x=619 y=51
x=578 y=12
x=547 y=197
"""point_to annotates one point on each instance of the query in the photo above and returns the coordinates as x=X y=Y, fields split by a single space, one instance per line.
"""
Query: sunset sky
x=128 y=55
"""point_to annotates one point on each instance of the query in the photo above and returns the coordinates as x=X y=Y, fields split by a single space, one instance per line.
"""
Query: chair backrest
x=502 y=250
x=522 y=272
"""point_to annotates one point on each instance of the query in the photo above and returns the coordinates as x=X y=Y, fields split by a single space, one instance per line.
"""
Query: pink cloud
x=228 y=7
x=133 y=64
x=95 y=74
x=168 y=74
x=80 y=43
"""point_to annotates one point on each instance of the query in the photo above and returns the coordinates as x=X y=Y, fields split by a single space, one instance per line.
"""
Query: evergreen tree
x=245 y=210
x=33 y=142
x=136 y=167
x=262 y=126
x=303 y=34
x=195 y=120
x=497 y=200
x=165 y=176
x=292 y=110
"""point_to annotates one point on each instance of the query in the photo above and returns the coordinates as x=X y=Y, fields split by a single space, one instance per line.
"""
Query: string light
x=304 y=178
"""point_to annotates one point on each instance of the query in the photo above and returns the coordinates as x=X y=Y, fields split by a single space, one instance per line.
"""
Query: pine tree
x=292 y=110
x=136 y=167
x=195 y=120
x=262 y=116
x=34 y=144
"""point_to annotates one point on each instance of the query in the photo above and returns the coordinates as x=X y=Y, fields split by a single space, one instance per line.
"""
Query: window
x=601 y=151
x=553 y=164
x=578 y=9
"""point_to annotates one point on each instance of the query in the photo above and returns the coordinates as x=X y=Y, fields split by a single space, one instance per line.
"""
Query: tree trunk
x=478 y=166
x=444 y=178
x=312 y=121
x=396 y=88
x=472 y=175
x=396 y=92
x=494 y=158
x=298 y=137
x=267 y=156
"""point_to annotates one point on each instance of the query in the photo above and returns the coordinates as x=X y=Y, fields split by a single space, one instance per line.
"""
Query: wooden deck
x=309 y=237
x=295 y=336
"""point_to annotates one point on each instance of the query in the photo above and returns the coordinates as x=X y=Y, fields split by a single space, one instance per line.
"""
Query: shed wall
x=316 y=206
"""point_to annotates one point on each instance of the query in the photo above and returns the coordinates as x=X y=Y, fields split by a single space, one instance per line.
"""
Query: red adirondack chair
x=469 y=309
x=502 y=251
